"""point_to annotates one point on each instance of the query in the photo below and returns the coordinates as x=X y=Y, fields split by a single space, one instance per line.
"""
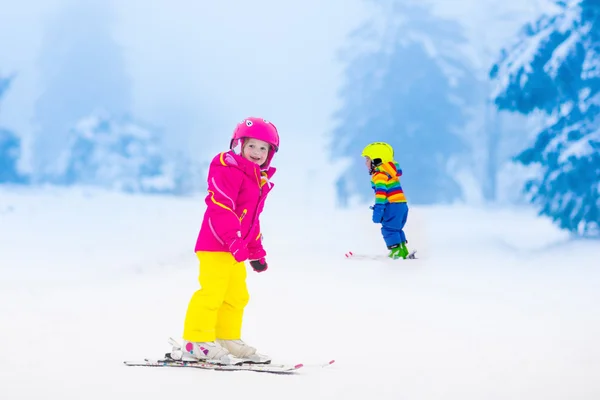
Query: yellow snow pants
x=216 y=310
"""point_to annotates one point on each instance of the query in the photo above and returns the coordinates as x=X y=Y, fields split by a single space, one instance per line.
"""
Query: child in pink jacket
x=238 y=184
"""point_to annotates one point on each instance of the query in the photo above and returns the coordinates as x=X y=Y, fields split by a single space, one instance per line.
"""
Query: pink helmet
x=256 y=128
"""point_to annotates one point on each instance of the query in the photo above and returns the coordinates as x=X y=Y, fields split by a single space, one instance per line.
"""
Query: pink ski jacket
x=237 y=189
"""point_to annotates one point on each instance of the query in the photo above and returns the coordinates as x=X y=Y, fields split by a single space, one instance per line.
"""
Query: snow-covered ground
x=500 y=306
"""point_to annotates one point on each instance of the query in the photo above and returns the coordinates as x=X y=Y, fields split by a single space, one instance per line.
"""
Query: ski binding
x=256 y=364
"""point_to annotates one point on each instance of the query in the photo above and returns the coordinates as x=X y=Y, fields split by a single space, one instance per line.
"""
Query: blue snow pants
x=392 y=223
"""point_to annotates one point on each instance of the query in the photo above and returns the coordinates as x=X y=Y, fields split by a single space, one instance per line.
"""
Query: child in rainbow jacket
x=390 y=209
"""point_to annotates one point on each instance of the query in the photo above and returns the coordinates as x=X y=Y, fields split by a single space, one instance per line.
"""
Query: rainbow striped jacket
x=385 y=181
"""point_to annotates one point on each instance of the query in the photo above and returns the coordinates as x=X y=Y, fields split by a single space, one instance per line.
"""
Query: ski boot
x=398 y=251
x=241 y=350
x=211 y=352
x=395 y=251
x=405 y=251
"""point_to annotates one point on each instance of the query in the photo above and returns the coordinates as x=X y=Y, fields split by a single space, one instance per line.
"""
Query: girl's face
x=256 y=151
x=368 y=163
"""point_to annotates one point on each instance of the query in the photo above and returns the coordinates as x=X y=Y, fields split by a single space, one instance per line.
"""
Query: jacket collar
x=248 y=167
x=388 y=168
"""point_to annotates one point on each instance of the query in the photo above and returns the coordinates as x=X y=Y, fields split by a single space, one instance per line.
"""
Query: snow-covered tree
x=10 y=152
x=406 y=84
x=493 y=136
x=555 y=67
x=10 y=148
x=82 y=69
x=4 y=85
x=125 y=155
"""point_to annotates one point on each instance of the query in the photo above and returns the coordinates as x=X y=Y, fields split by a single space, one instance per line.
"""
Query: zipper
x=260 y=200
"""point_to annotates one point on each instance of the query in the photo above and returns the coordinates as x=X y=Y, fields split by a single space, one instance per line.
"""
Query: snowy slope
x=501 y=305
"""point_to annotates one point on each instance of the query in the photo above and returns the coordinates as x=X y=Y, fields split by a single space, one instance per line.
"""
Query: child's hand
x=259 y=265
x=238 y=250
x=378 y=213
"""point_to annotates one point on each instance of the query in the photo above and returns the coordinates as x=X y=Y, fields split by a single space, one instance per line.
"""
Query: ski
x=169 y=362
x=377 y=257
x=257 y=364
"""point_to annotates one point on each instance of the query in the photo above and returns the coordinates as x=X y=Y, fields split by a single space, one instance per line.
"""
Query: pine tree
x=10 y=148
x=4 y=85
x=555 y=67
x=119 y=153
x=406 y=84
x=10 y=152
x=82 y=69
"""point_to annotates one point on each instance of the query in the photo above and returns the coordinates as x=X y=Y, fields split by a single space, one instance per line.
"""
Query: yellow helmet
x=379 y=150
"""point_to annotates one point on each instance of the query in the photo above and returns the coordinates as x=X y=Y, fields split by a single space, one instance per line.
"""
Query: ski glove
x=238 y=250
x=259 y=265
x=378 y=210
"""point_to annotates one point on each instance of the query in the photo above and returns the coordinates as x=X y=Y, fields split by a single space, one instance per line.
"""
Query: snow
x=520 y=57
x=579 y=148
x=522 y=54
x=591 y=65
x=562 y=53
x=500 y=305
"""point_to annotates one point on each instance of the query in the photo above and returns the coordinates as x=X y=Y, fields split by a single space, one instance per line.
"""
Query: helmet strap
x=237 y=146
x=376 y=162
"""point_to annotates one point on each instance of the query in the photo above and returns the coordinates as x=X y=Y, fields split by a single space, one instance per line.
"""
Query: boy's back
x=386 y=183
